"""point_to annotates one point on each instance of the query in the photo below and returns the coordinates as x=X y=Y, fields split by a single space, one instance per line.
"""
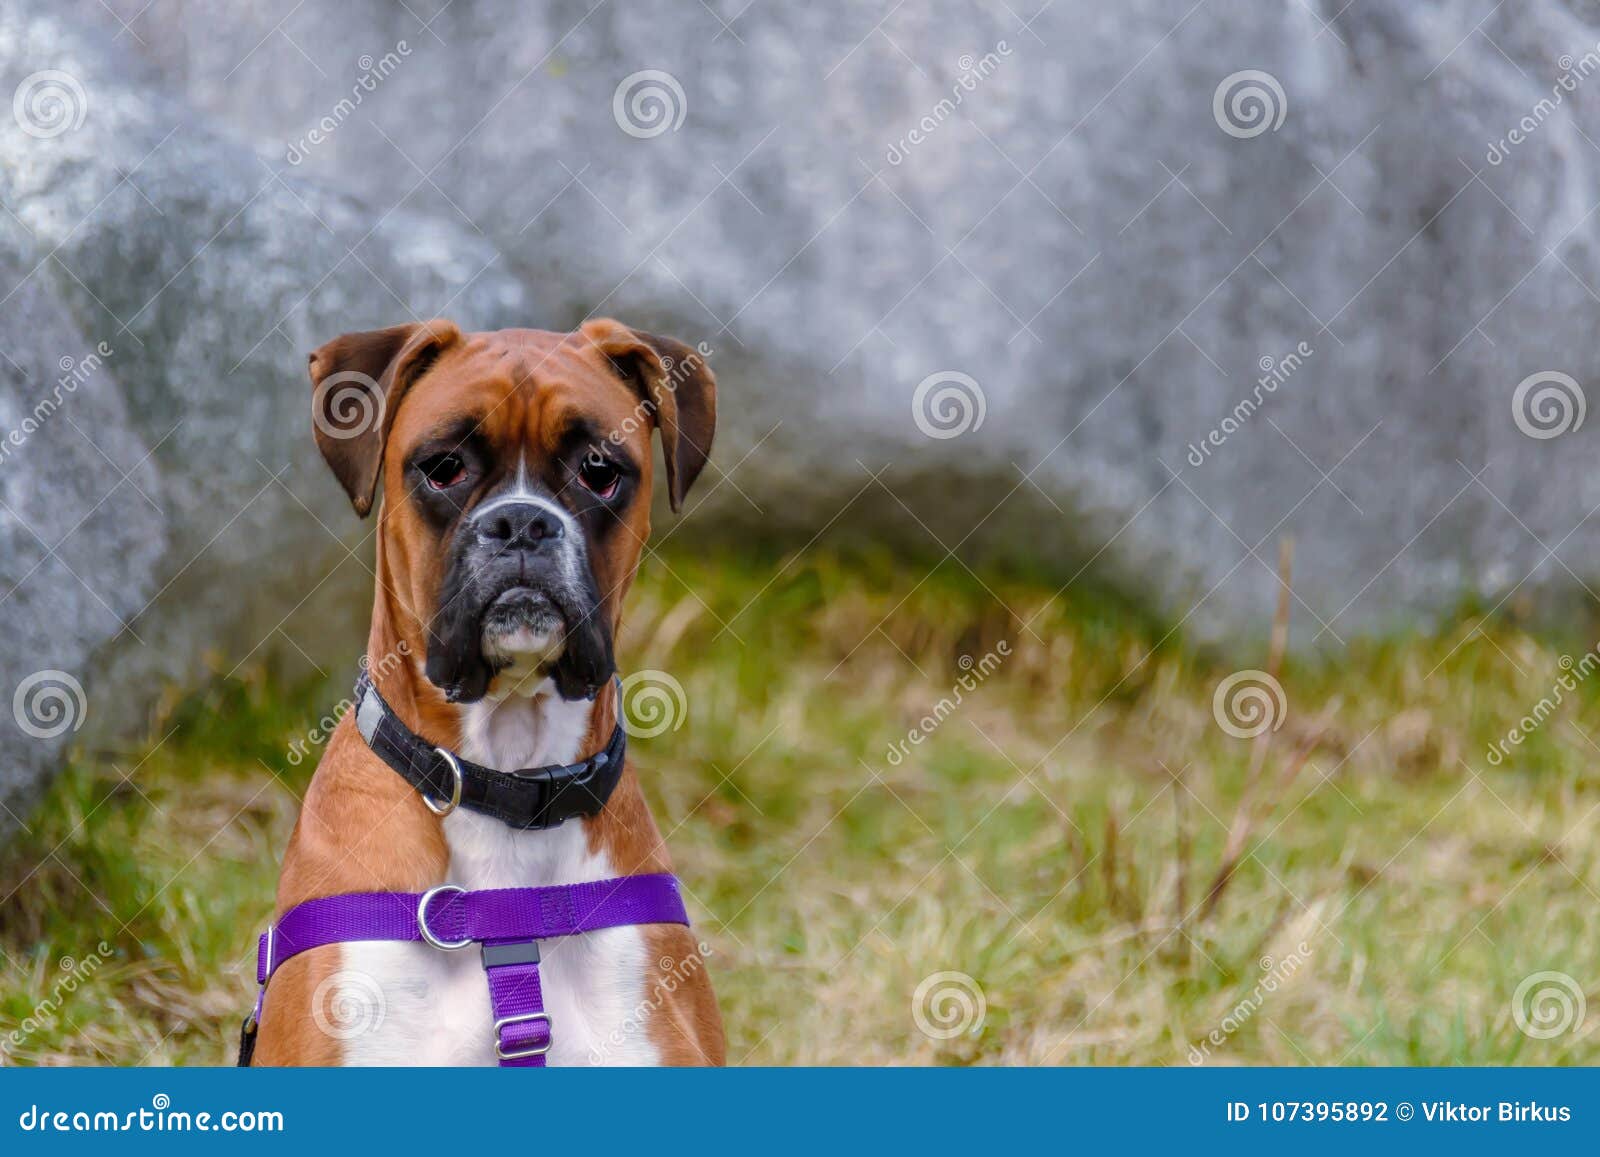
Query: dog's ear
x=357 y=381
x=676 y=385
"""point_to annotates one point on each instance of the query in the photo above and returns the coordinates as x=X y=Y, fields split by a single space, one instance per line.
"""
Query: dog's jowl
x=485 y=752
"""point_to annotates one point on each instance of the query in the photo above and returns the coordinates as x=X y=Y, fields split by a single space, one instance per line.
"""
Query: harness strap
x=507 y=922
x=522 y=1028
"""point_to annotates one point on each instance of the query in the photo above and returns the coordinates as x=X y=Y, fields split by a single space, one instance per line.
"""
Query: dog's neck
x=521 y=723
x=514 y=728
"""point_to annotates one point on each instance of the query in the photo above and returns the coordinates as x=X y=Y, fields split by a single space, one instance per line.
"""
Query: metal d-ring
x=422 y=918
x=444 y=809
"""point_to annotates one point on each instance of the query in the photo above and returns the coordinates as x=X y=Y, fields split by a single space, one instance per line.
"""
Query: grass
x=1054 y=840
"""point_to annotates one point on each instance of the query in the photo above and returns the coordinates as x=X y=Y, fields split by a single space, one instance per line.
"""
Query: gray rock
x=1079 y=235
x=172 y=515
x=82 y=530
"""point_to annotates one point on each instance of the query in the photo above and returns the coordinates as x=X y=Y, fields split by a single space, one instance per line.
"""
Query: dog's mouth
x=523 y=625
x=530 y=631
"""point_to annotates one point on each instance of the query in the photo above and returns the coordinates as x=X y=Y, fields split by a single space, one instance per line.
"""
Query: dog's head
x=516 y=473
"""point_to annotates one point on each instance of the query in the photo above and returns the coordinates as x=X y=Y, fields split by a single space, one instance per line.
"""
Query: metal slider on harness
x=521 y=952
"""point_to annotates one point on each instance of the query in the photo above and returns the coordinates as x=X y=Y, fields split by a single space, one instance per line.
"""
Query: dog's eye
x=599 y=474
x=443 y=470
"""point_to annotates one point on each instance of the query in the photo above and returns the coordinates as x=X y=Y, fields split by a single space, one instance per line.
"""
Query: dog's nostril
x=523 y=527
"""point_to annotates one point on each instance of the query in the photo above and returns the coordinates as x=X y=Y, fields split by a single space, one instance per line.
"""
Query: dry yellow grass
x=1052 y=841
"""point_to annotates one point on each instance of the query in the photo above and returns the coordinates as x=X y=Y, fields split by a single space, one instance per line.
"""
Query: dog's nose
x=521 y=526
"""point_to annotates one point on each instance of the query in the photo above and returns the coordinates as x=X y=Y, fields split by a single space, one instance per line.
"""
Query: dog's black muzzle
x=518 y=573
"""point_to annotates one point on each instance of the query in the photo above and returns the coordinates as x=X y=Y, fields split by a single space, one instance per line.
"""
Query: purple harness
x=507 y=922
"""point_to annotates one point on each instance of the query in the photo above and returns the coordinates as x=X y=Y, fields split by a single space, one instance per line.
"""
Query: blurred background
x=1141 y=605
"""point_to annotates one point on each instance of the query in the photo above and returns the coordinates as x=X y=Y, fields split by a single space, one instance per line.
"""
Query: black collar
x=535 y=797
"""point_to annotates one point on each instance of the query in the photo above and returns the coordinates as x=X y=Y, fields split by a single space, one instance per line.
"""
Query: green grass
x=1053 y=839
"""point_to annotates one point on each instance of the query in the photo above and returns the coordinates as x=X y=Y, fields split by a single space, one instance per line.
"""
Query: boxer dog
x=516 y=472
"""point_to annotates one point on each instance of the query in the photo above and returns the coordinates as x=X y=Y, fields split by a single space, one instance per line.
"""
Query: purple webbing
x=492 y=914
x=514 y=993
x=495 y=916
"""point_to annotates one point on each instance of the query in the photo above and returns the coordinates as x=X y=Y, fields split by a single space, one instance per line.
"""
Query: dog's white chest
x=434 y=1006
